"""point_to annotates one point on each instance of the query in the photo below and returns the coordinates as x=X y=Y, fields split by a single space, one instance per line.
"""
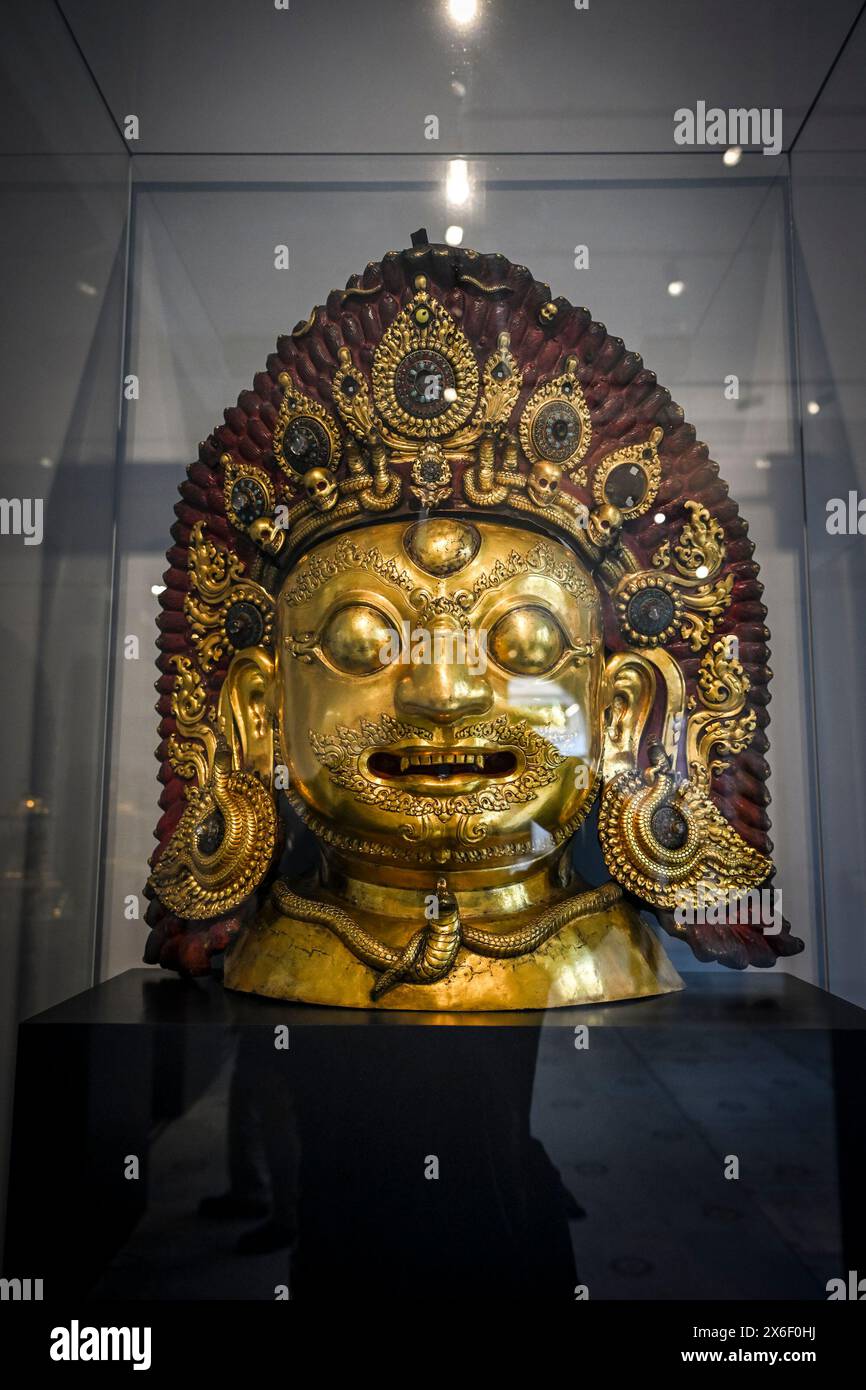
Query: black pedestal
x=441 y=1156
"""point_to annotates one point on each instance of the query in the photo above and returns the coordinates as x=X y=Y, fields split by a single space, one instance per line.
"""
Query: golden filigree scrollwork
x=191 y=747
x=226 y=612
x=222 y=846
x=212 y=571
x=555 y=425
x=700 y=550
x=719 y=719
x=680 y=594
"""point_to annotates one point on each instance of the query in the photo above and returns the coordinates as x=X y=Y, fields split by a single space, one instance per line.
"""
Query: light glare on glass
x=462 y=12
x=457 y=184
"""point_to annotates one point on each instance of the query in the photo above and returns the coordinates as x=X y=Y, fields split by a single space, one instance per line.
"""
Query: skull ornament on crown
x=543 y=482
x=452 y=583
x=321 y=489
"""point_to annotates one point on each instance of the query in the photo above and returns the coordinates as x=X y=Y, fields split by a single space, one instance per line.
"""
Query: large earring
x=226 y=839
x=223 y=845
x=662 y=838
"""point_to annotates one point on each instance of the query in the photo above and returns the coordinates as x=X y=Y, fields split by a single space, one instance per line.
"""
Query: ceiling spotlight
x=462 y=12
x=813 y=408
x=457 y=184
x=453 y=235
x=84 y=288
x=46 y=462
x=157 y=588
x=763 y=464
x=659 y=518
x=732 y=156
x=676 y=288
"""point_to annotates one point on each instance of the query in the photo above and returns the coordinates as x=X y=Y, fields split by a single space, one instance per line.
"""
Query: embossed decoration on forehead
x=540 y=558
x=441 y=546
x=320 y=566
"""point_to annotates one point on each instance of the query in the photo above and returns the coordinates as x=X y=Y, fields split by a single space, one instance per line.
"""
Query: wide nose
x=444 y=689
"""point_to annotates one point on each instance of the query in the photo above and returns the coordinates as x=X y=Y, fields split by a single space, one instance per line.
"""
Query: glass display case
x=178 y=198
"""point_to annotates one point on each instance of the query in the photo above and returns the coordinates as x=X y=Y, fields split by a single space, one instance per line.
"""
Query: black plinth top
x=711 y=998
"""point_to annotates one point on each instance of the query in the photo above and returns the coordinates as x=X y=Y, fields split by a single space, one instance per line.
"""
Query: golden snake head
x=447 y=921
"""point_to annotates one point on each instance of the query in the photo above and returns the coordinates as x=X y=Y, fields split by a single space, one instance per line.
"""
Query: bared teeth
x=439 y=758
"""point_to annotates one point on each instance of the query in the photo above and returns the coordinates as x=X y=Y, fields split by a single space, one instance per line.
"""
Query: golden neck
x=491 y=892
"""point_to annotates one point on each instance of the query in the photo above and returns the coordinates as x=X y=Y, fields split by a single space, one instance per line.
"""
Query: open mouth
x=440 y=765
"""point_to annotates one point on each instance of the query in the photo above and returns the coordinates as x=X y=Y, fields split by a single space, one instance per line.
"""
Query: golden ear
x=631 y=681
x=247 y=709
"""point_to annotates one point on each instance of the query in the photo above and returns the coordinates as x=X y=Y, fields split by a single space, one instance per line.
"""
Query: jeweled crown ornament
x=454 y=578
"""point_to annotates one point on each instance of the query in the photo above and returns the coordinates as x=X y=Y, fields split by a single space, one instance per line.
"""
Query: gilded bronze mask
x=454 y=577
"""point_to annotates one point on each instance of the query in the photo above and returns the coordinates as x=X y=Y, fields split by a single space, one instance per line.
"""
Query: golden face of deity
x=439 y=691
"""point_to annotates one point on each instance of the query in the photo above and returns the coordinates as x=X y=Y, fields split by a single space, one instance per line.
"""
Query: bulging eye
x=358 y=639
x=527 y=641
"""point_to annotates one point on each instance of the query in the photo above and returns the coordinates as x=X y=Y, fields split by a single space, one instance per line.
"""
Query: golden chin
x=595 y=956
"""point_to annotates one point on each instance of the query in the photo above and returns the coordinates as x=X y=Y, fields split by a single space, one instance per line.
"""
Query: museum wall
x=829 y=203
x=64 y=176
